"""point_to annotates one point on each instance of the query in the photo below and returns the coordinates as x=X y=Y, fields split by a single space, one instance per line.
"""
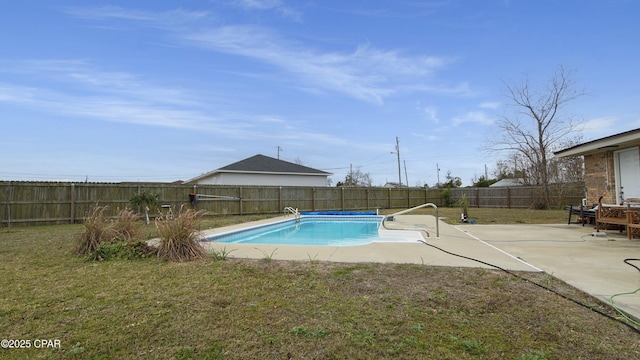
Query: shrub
x=178 y=236
x=145 y=199
x=445 y=195
x=128 y=250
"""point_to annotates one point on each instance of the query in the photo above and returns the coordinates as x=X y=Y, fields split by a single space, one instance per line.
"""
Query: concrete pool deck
x=569 y=252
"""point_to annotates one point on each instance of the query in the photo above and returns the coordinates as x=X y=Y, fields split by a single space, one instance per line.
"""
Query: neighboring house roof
x=261 y=164
x=507 y=183
x=618 y=141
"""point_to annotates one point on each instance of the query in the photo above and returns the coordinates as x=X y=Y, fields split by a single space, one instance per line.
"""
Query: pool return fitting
x=390 y=217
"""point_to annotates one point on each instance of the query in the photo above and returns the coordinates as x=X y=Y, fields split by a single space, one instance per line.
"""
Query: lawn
x=261 y=309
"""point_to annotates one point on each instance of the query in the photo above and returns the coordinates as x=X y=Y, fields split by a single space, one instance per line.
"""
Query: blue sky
x=157 y=90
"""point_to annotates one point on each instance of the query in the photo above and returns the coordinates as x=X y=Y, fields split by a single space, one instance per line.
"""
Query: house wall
x=599 y=177
x=264 y=179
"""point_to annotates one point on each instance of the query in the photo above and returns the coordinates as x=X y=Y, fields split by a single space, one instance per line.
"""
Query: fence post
x=313 y=199
x=240 y=199
x=73 y=203
x=508 y=198
x=8 y=196
x=342 y=198
x=368 y=192
x=477 y=190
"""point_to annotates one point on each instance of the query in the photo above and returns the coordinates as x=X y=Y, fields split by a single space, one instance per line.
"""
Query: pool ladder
x=293 y=211
x=409 y=210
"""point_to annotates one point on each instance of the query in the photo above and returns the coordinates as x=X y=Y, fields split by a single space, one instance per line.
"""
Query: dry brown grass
x=178 y=236
x=103 y=239
x=96 y=230
x=126 y=226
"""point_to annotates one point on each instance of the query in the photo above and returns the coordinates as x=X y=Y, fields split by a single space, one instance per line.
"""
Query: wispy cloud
x=366 y=73
x=272 y=5
x=102 y=107
x=81 y=75
x=430 y=113
x=607 y=125
x=77 y=89
x=475 y=116
x=165 y=19
x=490 y=105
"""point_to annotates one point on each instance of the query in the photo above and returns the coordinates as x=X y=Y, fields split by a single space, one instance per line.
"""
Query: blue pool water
x=320 y=230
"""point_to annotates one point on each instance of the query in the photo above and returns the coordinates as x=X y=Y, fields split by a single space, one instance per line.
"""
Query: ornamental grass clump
x=104 y=239
x=126 y=226
x=179 y=235
x=96 y=230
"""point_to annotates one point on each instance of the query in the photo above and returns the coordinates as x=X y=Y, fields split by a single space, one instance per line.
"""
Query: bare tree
x=536 y=126
x=356 y=178
x=567 y=169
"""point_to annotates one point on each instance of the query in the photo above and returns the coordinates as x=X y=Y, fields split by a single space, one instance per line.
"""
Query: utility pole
x=438 y=171
x=406 y=177
x=398 y=152
x=279 y=149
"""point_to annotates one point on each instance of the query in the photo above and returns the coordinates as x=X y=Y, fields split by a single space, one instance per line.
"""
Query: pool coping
x=412 y=251
x=394 y=236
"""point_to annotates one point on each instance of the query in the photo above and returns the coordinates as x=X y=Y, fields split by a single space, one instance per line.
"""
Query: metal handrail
x=295 y=212
x=409 y=210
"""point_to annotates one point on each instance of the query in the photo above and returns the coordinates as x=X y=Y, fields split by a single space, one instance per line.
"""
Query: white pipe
x=414 y=208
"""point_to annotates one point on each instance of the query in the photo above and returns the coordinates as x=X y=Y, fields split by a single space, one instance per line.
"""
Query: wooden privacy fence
x=40 y=203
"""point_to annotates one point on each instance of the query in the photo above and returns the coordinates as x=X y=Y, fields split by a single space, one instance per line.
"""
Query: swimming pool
x=318 y=231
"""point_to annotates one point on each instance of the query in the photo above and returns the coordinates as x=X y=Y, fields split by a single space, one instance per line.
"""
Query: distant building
x=611 y=166
x=507 y=183
x=264 y=170
x=390 y=184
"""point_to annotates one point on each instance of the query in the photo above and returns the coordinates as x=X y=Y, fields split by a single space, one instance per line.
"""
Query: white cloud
x=598 y=125
x=475 y=116
x=430 y=113
x=259 y=4
x=607 y=125
x=166 y=19
x=275 y=5
x=84 y=92
x=366 y=73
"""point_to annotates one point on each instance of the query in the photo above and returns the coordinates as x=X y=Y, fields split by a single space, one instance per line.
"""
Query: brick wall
x=599 y=177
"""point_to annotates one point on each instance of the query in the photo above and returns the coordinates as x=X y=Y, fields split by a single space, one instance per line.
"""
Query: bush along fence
x=45 y=203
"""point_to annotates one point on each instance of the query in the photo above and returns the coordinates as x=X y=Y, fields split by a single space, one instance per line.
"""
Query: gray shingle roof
x=261 y=163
